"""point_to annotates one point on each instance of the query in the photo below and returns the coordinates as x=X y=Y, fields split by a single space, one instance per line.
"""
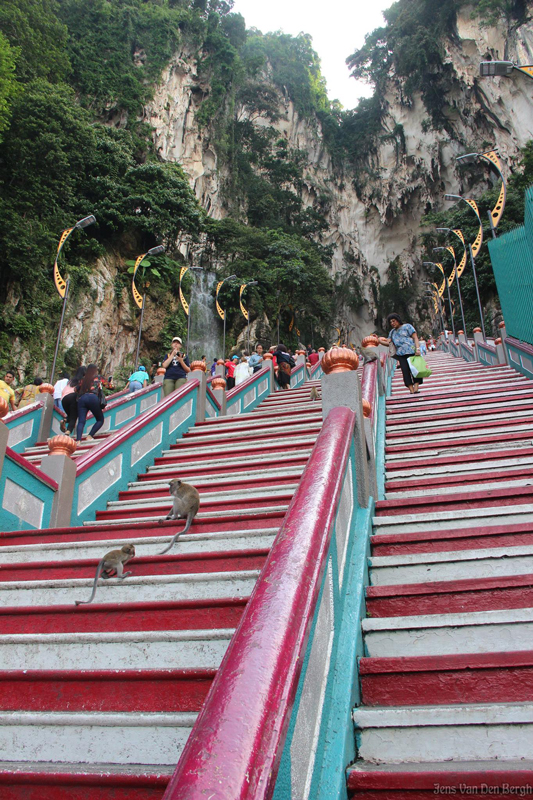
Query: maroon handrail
x=237 y=741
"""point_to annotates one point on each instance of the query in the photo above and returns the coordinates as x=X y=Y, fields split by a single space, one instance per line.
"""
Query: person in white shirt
x=58 y=390
x=242 y=371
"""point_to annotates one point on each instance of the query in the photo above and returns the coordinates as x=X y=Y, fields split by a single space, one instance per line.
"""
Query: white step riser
x=446 y=743
x=252 y=432
x=206 y=480
x=254 y=425
x=215 y=450
x=131 y=590
x=449 y=634
x=257 y=513
x=453 y=470
x=470 y=487
x=190 y=543
x=490 y=567
x=98 y=738
x=222 y=496
x=446 y=451
x=227 y=462
x=486 y=428
x=203 y=649
x=511 y=389
x=503 y=410
x=463 y=518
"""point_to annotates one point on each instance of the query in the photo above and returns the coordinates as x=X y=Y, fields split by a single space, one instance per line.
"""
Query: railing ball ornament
x=160 y=371
x=61 y=445
x=218 y=383
x=367 y=408
x=220 y=362
x=477 y=330
x=340 y=359
x=198 y=366
x=459 y=332
x=370 y=341
x=497 y=341
x=501 y=325
x=321 y=349
x=268 y=357
x=4 y=407
x=46 y=388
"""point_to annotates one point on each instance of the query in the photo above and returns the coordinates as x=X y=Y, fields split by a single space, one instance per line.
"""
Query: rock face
x=373 y=225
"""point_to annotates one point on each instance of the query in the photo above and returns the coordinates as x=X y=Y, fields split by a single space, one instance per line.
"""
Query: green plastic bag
x=418 y=367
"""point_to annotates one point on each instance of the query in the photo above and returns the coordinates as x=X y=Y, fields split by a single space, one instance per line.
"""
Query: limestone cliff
x=371 y=224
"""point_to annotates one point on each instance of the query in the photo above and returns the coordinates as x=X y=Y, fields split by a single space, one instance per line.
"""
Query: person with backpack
x=90 y=398
x=286 y=364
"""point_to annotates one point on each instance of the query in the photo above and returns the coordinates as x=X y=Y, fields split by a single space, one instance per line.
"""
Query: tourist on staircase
x=256 y=359
x=285 y=364
x=69 y=399
x=90 y=398
x=242 y=371
x=404 y=339
x=177 y=366
x=30 y=393
x=6 y=389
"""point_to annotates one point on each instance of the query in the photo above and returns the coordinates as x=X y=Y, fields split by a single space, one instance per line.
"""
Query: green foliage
x=490 y=11
x=33 y=28
x=396 y=294
x=9 y=88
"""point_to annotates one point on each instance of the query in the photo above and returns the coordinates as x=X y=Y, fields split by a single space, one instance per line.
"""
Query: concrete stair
x=447 y=676
x=97 y=701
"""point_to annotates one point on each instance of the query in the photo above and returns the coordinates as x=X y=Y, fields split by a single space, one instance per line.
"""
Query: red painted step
x=240 y=452
x=427 y=444
x=122 y=531
x=465 y=399
x=389 y=544
x=149 y=616
x=442 y=680
x=27 y=785
x=261 y=427
x=213 y=486
x=206 y=507
x=515 y=495
x=460 y=479
x=450 y=597
x=410 y=784
x=454 y=458
x=221 y=468
x=170 y=690
x=168 y=564
x=467 y=428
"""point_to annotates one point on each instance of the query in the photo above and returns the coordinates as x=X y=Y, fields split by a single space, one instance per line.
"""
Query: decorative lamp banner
x=136 y=296
x=443 y=284
x=59 y=281
x=221 y=312
x=497 y=211
x=184 y=303
x=244 y=311
x=476 y=247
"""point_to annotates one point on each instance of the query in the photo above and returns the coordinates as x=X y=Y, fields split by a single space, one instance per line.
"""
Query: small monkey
x=186 y=504
x=112 y=562
x=314 y=394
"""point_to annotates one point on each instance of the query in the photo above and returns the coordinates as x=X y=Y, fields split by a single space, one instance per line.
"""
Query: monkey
x=114 y=561
x=369 y=354
x=314 y=393
x=186 y=504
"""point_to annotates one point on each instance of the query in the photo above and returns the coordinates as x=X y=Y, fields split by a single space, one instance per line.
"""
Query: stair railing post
x=503 y=334
x=198 y=373
x=59 y=466
x=4 y=436
x=478 y=337
x=220 y=368
x=218 y=387
x=341 y=388
x=45 y=425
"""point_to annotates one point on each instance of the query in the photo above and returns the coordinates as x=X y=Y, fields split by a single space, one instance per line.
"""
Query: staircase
x=97 y=701
x=447 y=679
x=36 y=452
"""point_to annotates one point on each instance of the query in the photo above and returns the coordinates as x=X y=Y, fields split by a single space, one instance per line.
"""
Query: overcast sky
x=338 y=28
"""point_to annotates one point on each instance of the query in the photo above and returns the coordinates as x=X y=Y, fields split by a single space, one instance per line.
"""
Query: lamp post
x=492 y=69
x=222 y=311
x=491 y=158
x=63 y=286
x=244 y=311
x=451 y=251
x=449 y=282
x=139 y=301
x=473 y=248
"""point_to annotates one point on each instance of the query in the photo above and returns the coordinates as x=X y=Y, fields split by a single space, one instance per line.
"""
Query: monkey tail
x=188 y=524
x=99 y=570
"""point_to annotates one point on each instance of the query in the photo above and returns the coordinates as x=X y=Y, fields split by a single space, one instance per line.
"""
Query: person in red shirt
x=230 y=372
x=313 y=357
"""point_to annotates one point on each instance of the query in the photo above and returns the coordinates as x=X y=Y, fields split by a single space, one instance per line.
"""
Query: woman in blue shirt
x=405 y=340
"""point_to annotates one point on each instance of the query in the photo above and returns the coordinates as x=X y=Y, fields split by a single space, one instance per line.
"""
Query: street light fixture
x=451 y=251
x=222 y=311
x=498 y=69
x=63 y=286
x=139 y=301
x=449 y=282
x=244 y=311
